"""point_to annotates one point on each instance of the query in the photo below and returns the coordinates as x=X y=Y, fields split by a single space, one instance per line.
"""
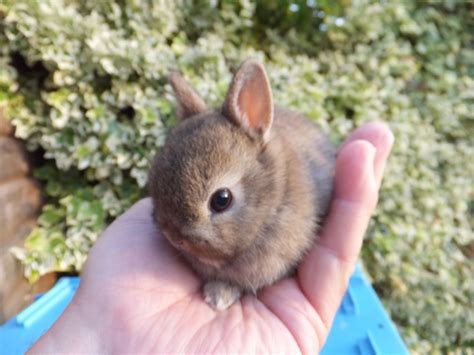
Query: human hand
x=137 y=296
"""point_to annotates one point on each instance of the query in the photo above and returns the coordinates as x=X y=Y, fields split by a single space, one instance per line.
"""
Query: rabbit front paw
x=220 y=295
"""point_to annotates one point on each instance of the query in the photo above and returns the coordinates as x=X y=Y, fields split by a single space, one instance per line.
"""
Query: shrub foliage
x=84 y=84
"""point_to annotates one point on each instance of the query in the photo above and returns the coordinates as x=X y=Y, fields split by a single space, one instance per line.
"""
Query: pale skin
x=138 y=296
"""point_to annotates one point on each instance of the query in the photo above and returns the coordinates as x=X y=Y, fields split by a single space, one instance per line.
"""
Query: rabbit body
x=278 y=168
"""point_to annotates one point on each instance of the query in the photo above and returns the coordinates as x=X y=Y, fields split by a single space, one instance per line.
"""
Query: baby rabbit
x=240 y=191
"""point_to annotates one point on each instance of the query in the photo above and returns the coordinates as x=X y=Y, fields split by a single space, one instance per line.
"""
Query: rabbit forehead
x=202 y=154
x=210 y=149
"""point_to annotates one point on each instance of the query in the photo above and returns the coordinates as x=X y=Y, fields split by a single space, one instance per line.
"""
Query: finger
x=380 y=136
x=285 y=300
x=140 y=211
x=324 y=273
x=136 y=222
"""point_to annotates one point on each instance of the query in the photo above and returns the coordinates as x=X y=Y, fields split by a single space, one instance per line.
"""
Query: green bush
x=84 y=84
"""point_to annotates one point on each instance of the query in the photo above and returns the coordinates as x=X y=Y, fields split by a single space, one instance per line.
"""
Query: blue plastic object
x=361 y=325
x=19 y=333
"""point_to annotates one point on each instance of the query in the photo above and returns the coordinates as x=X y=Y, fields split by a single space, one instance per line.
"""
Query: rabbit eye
x=221 y=200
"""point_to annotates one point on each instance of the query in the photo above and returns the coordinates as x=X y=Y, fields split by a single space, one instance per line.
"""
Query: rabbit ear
x=189 y=102
x=249 y=100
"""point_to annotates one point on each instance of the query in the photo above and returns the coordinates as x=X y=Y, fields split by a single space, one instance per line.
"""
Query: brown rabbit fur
x=279 y=168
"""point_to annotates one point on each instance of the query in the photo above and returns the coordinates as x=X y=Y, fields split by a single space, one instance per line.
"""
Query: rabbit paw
x=220 y=295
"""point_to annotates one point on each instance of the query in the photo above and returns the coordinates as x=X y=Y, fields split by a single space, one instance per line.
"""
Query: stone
x=13 y=161
x=14 y=287
x=23 y=294
x=6 y=127
x=20 y=200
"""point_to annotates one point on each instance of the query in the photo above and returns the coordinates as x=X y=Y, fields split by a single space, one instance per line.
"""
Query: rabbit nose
x=180 y=236
x=171 y=232
x=191 y=238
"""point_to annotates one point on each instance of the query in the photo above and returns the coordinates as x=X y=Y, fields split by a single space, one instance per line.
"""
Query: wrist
x=75 y=331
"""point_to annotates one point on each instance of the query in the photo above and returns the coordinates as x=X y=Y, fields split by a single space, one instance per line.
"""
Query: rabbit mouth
x=205 y=259
x=200 y=252
x=210 y=262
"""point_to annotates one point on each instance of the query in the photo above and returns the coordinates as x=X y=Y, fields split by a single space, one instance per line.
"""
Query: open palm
x=138 y=296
